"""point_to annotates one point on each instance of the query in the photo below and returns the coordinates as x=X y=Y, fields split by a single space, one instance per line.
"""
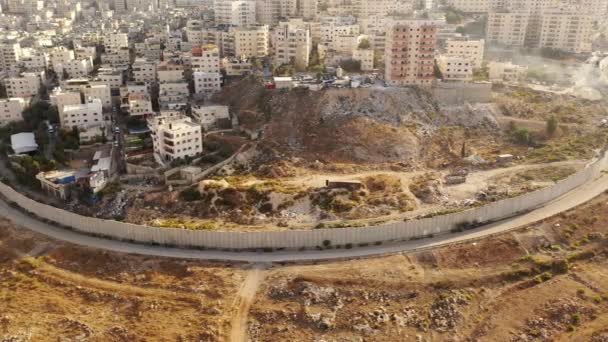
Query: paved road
x=568 y=201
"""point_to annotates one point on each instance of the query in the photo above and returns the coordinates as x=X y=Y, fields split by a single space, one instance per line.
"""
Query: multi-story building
x=140 y=105
x=77 y=68
x=293 y=44
x=11 y=109
x=10 y=54
x=101 y=92
x=470 y=6
x=251 y=41
x=507 y=27
x=59 y=56
x=27 y=85
x=410 y=53
x=61 y=98
x=566 y=29
x=144 y=71
x=205 y=59
x=455 y=68
x=365 y=57
x=270 y=12
x=472 y=49
x=169 y=72
x=175 y=138
x=209 y=116
x=207 y=82
x=235 y=12
x=112 y=41
x=82 y=115
x=236 y=66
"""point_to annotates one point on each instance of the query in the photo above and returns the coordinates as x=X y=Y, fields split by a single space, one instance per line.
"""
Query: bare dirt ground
x=54 y=291
x=546 y=282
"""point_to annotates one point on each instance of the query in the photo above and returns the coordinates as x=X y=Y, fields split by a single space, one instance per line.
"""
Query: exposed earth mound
x=376 y=125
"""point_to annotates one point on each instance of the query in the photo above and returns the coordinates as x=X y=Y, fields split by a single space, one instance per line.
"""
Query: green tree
x=522 y=136
x=551 y=126
x=364 y=44
x=351 y=65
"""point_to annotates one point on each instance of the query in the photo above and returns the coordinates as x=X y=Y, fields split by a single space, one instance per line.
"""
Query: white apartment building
x=101 y=92
x=235 y=12
x=251 y=41
x=112 y=77
x=173 y=92
x=308 y=9
x=207 y=82
x=455 y=68
x=236 y=67
x=10 y=54
x=470 y=6
x=27 y=85
x=83 y=52
x=269 y=12
x=292 y=44
x=77 y=68
x=112 y=41
x=507 y=27
x=34 y=59
x=169 y=72
x=82 y=115
x=365 y=57
x=118 y=56
x=140 y=105
x=208 y=116
x=472 y=49
x=11 y=109
x=59 y=56
x=61 y=98
x=144 y=71
x=175 y=138
x=410 y=53
x=205 y=59
x=567 y=29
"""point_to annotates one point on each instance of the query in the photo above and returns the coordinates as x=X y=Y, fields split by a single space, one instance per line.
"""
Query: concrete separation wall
x=457 y=93
x=399 y=231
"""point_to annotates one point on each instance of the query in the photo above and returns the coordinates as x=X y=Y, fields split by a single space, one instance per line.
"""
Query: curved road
x=570 y=200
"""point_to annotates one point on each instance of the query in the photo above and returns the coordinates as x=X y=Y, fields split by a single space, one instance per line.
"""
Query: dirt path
x=245 y=297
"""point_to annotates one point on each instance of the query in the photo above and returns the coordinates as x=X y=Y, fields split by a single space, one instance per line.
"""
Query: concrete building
x=207 y=82
x=470 y=6
x=509 y=72
x=98 y=91
x=209 y=116
x=455 y=68
x=410 y=53
x=235 y=12
x=144 y=71
x=169 y=72
x=175 y=138
x=507 y=27
x=270 y=12
x=140 y=105
x=236 y=67
x=27 y=85
x=365 y=57
x=472 y=49
x=293 y=44
x=77 y=68
x=205 y=59
x=10 y=54
x=59 y=56
x=11 y=109
x=566 y=29
x=82 y=115
x=252 y=41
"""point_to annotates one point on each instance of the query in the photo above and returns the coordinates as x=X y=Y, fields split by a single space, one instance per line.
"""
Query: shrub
x=190 y=195
x=326 y=243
